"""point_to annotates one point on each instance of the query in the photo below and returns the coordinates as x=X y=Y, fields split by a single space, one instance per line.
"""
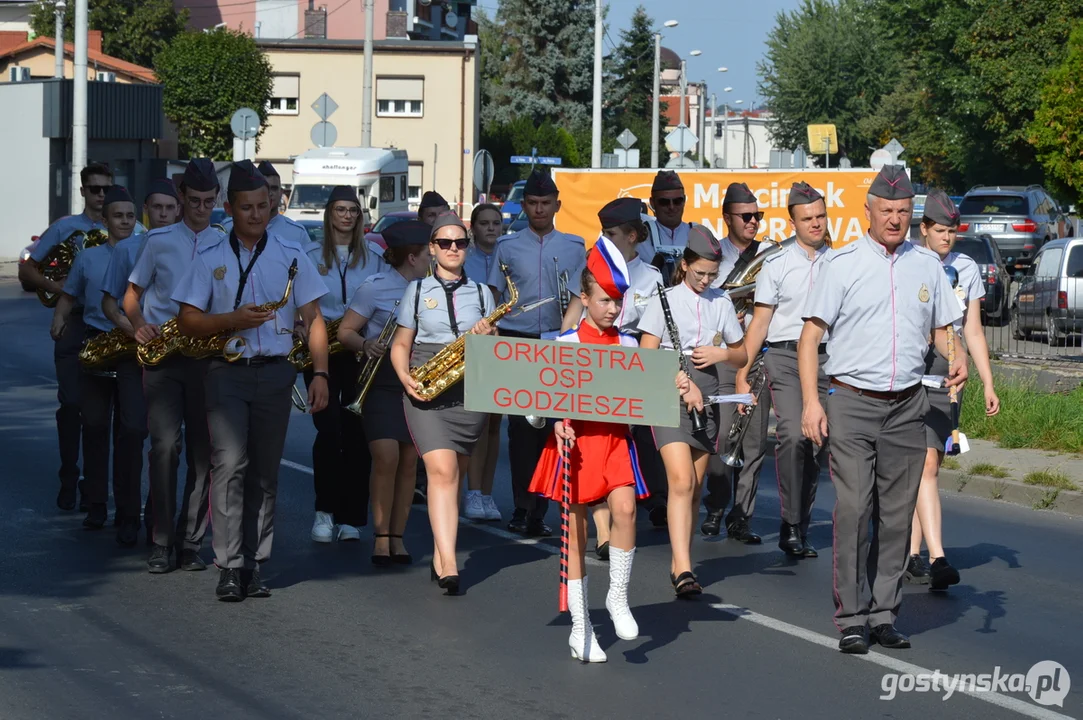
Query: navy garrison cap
x=539 y=184
x=703 y=243
x=161 y=186
x=666 y=180
x=738 y=193
x=620 y=211
x=267 y=169
x=407 y=232
x=200 y=175
x=117 y=193
x=446 y=219
x=892 y=183
x=244 y=177
x=432 y=199
x=803 y=194
x=343 y=193
x=940 y=209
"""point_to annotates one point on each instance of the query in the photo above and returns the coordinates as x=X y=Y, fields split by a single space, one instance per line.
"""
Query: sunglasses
x=446 y=243
x=667 y=202
x=749 y=217
x=97 y=189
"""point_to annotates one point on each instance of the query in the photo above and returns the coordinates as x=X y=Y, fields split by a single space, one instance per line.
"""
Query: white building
x=15 y=16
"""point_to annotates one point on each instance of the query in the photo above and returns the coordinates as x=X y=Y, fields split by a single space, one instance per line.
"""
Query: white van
x=380 y=176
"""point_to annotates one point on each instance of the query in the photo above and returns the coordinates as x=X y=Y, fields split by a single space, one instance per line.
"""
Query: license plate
x=989 y=227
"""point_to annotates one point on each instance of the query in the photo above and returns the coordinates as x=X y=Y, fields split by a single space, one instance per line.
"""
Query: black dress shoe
x=95 y=517
x=159 y=561
x=602 y=551
x=84 y=506
x=942 y=575
x=538 y=528
x=740 y=531
x=191 y=561
x=518 y=522
x=789 y=540
x=65 y=499
x=254 y=587
x=658 y=515
x=917 y=571
x=889 y=637
x=229 y=585
x=128 y=533
x=853 y=641
x=807 y=550
x=712 y=525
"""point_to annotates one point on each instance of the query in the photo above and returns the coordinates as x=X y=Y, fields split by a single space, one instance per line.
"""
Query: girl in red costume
x=603 y=464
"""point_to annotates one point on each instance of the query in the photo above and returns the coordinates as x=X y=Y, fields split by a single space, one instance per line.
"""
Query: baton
x=565 y=501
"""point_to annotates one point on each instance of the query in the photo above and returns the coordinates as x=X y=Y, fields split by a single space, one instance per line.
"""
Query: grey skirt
x=444 y=423
x=938 y=419
x=705 y=440
x=383 y=415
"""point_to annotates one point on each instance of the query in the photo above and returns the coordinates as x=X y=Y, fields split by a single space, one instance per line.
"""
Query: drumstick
x=952 y=446
x=565 y=501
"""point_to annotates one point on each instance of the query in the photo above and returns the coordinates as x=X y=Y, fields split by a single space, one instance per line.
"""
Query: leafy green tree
x=1057 y=129
x=630 y=85
x=206 y=78
x=132 y=30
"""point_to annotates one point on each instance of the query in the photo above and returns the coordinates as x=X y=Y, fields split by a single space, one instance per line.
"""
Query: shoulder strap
x=481 y=300
x=417 y=300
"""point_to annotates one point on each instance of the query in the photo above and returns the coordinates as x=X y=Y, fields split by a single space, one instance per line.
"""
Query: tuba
x=368 y=371
x=740 y=284
x=446 y=367
x=106 y=349
x=63 y=255
x=757 y=379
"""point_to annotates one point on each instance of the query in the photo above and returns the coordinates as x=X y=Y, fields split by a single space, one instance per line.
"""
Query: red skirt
x=603 y=459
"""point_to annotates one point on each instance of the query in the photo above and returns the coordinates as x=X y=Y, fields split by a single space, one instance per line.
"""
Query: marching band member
x=340 y=456
x=95 y=181
x=432 y=206
x=175 y=388
x=879 y=297
x=226 y=288
x=667 y=229
x=710 y=333
x=782 y=289
x=939 y=227
x=602 y=457
x=486 y=224
x=279 y=225
x=436 y=311
x=742 y=215
x=394 y=460
x=536 y=257
x=84 y=287
x=622 y=225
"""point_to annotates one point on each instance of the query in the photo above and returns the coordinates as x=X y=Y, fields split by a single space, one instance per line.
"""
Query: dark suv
x=1020 y=219
x=982 y=249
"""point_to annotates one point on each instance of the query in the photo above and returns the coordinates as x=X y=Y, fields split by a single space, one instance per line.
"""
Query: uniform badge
x=923 y=293
x=322 y=269
x=960 y=293
x=220 y=273
x=431 y=303
x=718 y=339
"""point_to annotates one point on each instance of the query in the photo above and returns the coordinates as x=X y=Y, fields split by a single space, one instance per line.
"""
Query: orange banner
x=584 y=192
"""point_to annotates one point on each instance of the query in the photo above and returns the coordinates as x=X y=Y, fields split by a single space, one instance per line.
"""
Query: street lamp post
x=58 y=10
x=596 y=120
x=714 y=123
x=657 y=109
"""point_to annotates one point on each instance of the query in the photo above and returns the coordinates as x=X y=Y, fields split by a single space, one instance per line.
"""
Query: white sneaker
x=473 y=508
x=323 y=527
x=492 y=512
x=348 y=533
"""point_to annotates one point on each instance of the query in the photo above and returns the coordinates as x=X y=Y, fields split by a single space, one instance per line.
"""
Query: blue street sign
x=521 y=160
x=549 y=161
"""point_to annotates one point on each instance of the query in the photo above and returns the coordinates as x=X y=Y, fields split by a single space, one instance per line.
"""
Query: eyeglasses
x=701 y=276
x=351 y=210
x=195 y=203
x=97 y=189
x=446 y=243
x=667 y=202
x=748 y=217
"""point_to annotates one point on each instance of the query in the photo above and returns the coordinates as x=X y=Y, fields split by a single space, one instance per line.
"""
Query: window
x=1049 y=263
x=976 y=250
x=993 y=205
x=400 y=97
x=285 y=92
x=1075 y=262
x=387 y=189
x=402 y=187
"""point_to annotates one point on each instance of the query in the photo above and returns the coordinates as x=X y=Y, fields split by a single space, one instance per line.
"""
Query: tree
x=1056 y=132
x=630 y=85
x=132 y=30
x=206 y=78
x=826 y=62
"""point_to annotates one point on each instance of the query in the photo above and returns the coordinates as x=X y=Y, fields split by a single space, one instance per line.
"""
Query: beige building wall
x=42 y=64
x=441 y=140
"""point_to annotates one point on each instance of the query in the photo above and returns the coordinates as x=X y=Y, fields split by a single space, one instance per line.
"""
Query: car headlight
x=24 y=255
x=507 y=216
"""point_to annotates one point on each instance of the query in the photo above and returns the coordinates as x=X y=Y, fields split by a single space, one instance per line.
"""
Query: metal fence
x=1041 y=319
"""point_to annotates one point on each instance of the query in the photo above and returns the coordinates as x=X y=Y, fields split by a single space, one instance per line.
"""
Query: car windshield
x=976 y=250
x=387 y=221
x=516 y=194
x=994 y=205
x=315 y=231
x=310 y=197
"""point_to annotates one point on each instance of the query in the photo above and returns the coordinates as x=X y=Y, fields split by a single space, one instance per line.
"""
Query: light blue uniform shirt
x=643 y=280
x=120 y=267
x=282 y=226
x=705 y=319
x=533 y=264
x=211 y=286
x=880 y=309
x=86 y=283
x=342 y=281
x=662 y=237
x=166 y=257
x=785 y=281
x=971 y=286
x=59 y=231
x=479 y=264
x=730 y=255
x=472 y=302
x=375 y=299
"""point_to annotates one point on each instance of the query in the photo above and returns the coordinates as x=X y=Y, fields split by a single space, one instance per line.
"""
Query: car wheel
x=1053 y=335
x=1017 y=332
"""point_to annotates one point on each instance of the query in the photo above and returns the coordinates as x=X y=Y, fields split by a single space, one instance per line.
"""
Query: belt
x=895 y=396
x=256 y=361
x=792 y=345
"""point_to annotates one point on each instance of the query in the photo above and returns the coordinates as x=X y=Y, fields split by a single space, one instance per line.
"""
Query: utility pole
x=684 y=92
x=657 y=101
x=596 y=122
x=714 y=125
x=703 y=124
x=58 y=35
x=366 y=87
x=78 y=125
x=726 y=136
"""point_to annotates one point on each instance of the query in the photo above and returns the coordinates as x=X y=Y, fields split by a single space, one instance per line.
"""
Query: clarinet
x=699 y=417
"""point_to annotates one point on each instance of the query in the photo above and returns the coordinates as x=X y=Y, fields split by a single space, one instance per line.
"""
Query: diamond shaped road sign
x=681 y=140
x=895 y=148
x=626 y=139
x=324 y=106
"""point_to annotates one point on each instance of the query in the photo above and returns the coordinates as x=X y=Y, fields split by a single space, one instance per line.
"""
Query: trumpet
x=563 y=296
x=735 y=457
x=368 y=371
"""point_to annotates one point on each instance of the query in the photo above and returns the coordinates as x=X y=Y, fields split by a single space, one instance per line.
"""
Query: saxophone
x=106 y=349
x=300 y=356
x=63 y=255
x=368 y=372
x=446 y=367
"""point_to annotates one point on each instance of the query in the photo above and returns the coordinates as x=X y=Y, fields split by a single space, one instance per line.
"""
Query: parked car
x=218 y=216
x=519 y=223
x=982 y=249
x=24 y=256
x=1020 y=219
x=1050 y=297
x=314 y=228
x=514 y=203
x=374 y=236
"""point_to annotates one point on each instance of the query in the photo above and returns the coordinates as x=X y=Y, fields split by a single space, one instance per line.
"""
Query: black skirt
x=705 y=440
x=444 y=423
x=382 y=414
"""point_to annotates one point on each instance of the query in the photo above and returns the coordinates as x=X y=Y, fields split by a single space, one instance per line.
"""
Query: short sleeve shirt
x=472 y=302
x=880 y=309
x=376 y=299
x=342 y=281
x=534 y=264
x=166 y=257
x=120 y=265
x=59 y=231
x=705 y=319
x=971 y=286
x=785 y=281
x=662 y=237
x=642 y=288
x=730 y=255
x=86 y=283
x=479 y=264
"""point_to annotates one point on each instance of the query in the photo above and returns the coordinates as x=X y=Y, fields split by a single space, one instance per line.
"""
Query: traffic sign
x=879 y=159
x=534 y=160
x=895 y=148
x=484 y=169
x=549 y=161
x=521 y=160
x=324 y=134
x=626 y=139
x=681 y=162
x=245 y=124
x=681 y=140
x=324 y=106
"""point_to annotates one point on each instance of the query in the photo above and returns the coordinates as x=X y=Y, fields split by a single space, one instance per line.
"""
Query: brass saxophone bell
x=234 y=349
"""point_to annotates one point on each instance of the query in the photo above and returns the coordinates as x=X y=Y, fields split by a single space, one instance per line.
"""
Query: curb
x=1069 y=502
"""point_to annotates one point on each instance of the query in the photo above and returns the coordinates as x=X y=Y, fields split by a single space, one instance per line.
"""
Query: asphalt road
x=86 y=632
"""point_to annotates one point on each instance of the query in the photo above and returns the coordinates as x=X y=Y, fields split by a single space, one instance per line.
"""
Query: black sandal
x=685 y=585
x=381 y=560
x=401 y=558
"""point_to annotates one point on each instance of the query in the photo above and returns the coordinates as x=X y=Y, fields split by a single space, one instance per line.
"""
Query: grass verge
x=1028 y=418
x=1050 y=479
x=988 y=470
x=951 y=463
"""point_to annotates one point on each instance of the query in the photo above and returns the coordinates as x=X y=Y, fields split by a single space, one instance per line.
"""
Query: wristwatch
x=321 y=373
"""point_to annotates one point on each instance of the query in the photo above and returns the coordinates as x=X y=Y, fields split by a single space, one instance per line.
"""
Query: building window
x=400 y=97
x=413 y=185
x=285 y=94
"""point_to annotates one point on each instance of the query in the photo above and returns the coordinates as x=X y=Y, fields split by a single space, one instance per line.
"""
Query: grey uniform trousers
x=723 y=482
x=175 y=396
x=68 y=380
x=876 y=457
x=248 y=412
x=797 y=460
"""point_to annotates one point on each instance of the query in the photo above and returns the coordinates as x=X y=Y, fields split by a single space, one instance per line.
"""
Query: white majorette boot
x=582 y=641
x=616 y=601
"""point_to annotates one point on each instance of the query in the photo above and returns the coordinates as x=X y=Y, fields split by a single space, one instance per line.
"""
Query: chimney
x=11 y=38
x=315 y=21
x=94 y=41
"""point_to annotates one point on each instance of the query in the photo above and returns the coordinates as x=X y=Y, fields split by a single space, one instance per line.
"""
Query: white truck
x=379 y=175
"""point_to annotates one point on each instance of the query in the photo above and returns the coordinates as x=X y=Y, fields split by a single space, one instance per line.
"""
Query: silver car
x=1020 y=219
x=1050 y=296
